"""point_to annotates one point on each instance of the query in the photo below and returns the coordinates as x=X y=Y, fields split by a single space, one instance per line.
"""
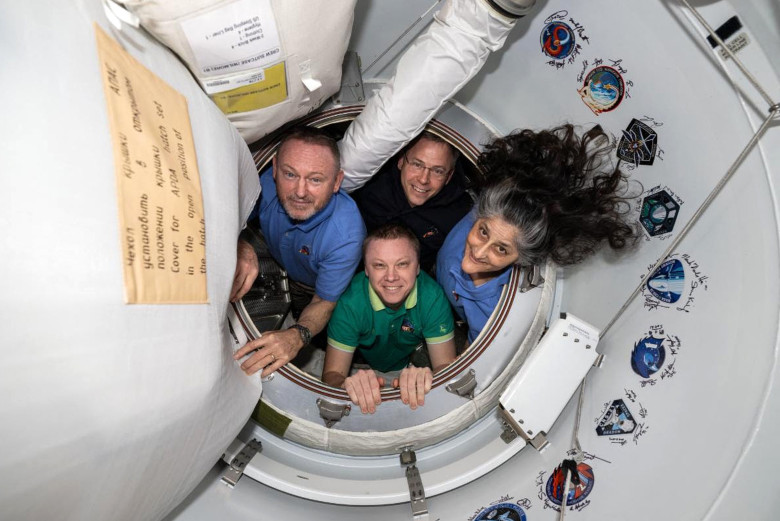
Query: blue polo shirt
x=322 y=251
x=474 y=304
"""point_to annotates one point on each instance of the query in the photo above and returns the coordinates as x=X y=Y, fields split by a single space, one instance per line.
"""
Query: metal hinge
x=332 y=412
x=532 y=278
x=508 y=434
x=465 y=385
x=351 y=91
x=539 y=440
x=239 y=463
x=416 y=489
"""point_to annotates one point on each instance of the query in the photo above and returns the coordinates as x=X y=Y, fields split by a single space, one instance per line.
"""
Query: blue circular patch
x=577 y=493
x=501 y=512
x=557 y=40
x=602 y=89
x=648 y=356
x=668 y=282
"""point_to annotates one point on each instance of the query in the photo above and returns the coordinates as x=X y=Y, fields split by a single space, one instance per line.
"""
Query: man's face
x=425 y=169
x=392 y=267
x=306 y=178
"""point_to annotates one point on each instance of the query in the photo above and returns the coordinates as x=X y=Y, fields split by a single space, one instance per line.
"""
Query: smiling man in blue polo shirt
x=314 y=230
x=387 y=312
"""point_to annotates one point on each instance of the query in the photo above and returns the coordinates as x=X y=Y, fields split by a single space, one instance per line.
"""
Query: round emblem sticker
x=648 y=356
x=557 y=40
x=602 y=89
x=502 y=512
x=556 y=485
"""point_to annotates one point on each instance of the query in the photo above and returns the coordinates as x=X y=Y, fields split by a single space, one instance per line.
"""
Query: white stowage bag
x=451 y=52
x=108 y=410
x=263 y=62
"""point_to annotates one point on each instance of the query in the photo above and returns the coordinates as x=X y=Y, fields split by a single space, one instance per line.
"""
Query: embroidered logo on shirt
x=430 y=233
x=304 y=250
x=406 y=326
x=442 y=328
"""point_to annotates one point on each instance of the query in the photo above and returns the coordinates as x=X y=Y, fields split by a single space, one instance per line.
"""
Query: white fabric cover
x=315 y=30
x=317 y=436
x=434 y=67
x=109 y=411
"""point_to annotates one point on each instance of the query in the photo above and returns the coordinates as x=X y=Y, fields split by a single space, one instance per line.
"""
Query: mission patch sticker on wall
x=561 y=39
x=602 y=89
x=667 y=283
x=558 y=40
x=580 y=488
x=502 y=512
x=680 y=280
x=659 y=213
x=648 y=356
x=659 y=210
x=617 y=420
x=656 y=352
x=638 y=144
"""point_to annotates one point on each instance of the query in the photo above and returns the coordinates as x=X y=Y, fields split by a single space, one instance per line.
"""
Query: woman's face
x=490 y=247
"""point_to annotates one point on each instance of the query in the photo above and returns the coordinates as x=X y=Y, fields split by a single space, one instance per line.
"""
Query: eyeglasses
x=419 y=167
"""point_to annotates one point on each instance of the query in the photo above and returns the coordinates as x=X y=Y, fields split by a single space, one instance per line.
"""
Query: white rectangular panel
x=544 y=384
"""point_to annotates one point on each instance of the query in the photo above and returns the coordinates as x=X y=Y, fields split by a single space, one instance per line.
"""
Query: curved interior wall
x=704 y=450
x=709 y=405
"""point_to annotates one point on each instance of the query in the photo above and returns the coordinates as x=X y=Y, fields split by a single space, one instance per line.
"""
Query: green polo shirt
x=387 y=337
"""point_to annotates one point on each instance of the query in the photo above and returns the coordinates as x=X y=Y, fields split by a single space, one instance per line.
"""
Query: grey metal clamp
x=239 y=463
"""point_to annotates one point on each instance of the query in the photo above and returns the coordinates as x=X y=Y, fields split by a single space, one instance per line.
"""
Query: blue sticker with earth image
x=602 y=89
x=667 y=283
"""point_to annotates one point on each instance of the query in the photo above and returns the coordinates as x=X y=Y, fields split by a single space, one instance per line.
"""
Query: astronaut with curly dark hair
x=548 y=195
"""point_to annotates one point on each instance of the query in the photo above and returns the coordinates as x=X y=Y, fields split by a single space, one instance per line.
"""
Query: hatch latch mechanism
x=332 y=412
x=465 y=385
x=239 y=463
x=416 y=489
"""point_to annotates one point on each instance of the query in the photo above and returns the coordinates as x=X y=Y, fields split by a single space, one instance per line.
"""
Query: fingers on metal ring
x=273 y=358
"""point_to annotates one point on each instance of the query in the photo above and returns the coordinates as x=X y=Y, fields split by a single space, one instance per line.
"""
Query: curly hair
x=560 y=190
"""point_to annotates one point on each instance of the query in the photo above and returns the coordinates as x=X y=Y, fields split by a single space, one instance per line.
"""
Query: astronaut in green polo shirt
x=386 y=312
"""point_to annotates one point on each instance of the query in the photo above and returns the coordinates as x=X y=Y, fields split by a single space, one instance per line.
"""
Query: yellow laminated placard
x=162 y=227
x=270 y=91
